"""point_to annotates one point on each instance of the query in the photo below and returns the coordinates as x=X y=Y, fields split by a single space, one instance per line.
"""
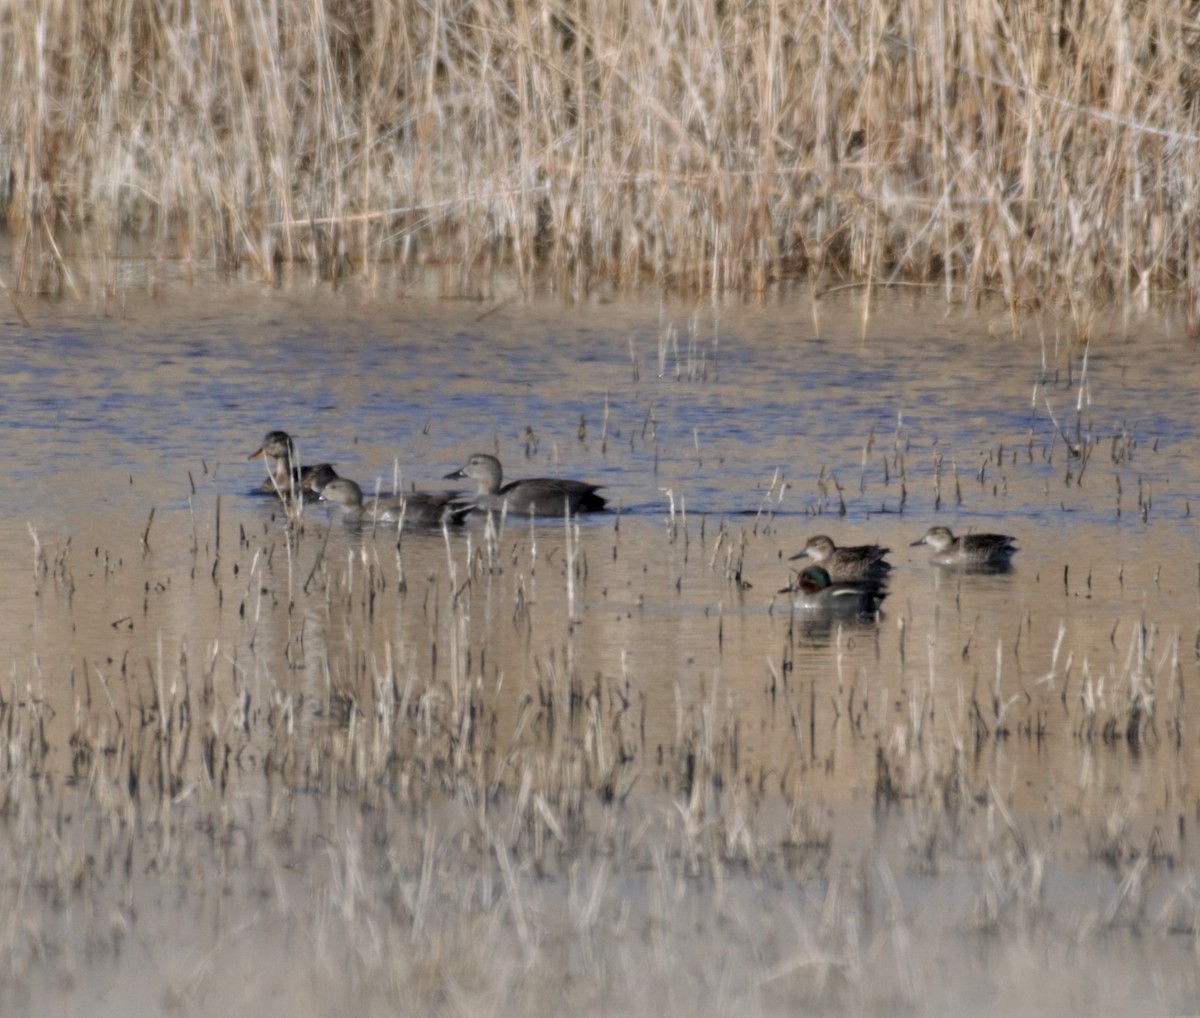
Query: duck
x=817 y=594
x=847 y=564
x=530 y=496
x=314 y=479
x=283 y=474
x=416 y=508
x=981 y=552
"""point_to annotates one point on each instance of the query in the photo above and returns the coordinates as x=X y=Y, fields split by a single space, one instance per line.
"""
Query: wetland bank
x=271 y=763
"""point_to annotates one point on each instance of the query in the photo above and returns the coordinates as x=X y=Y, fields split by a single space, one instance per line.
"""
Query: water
x=726 y=433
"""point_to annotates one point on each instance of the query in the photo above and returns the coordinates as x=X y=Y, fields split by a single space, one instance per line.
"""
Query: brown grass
x=699 y=145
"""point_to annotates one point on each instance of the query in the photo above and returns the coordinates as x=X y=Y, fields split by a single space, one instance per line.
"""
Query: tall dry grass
x=1049 y=151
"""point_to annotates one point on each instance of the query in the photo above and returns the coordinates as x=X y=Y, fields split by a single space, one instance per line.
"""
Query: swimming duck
x=313 y=479
x=283 y=474
x=416 y=508
x=816 y=594
x=982 y=552
x=537 y=496
x=848 y=564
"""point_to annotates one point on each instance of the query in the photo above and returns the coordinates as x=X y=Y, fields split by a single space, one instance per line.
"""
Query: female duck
x=981 y=552
x=284 y=475
x=416 y=508
x=848 y=564
x=530 y=496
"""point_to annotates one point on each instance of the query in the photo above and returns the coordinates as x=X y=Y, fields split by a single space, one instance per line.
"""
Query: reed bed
x=1044 y=153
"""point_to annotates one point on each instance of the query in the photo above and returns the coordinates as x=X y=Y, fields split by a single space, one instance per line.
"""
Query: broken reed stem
x=572 y=551
x=146 y=532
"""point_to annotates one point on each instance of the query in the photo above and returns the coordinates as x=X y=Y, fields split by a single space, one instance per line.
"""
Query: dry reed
x=417 y=782
x=402 y=837
x=697 y=145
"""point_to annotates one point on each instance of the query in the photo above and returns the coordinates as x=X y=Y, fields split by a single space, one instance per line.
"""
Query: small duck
x=980 y=552
x=530 y=496
x=848 y=564
x=313 y=479
x=283 y=474
x=817 y=594
x=416 y=508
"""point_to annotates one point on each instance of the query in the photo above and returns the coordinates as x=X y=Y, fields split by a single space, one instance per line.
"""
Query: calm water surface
x=726 y=434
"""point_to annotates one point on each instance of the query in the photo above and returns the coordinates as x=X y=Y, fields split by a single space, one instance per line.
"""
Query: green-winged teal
x=848 y=564
x=983 y=552
x=415 y=508
x=537 y=496
x=816 y=594
x=284 y=475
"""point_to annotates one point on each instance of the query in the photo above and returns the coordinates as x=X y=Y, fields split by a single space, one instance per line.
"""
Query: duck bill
x=457 y=475
x=257 y=455
x=799 y=554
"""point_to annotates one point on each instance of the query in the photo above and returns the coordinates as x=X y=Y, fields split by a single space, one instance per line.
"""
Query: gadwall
x=313 y=479
x=848 y=564
x=816 y=594
x=981 y=552
x=284 y=475
x=537 y=496
x=416 y=508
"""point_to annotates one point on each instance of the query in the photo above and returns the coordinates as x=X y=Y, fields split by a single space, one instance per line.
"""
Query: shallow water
x=726 y=434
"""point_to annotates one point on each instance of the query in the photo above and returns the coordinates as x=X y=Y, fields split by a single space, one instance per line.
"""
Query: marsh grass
x=1041 y=153
x=408 y=771
x=404 y=837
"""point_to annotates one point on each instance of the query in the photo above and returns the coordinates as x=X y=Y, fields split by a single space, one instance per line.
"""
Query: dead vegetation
x=1038 y=153
x=423 y=815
